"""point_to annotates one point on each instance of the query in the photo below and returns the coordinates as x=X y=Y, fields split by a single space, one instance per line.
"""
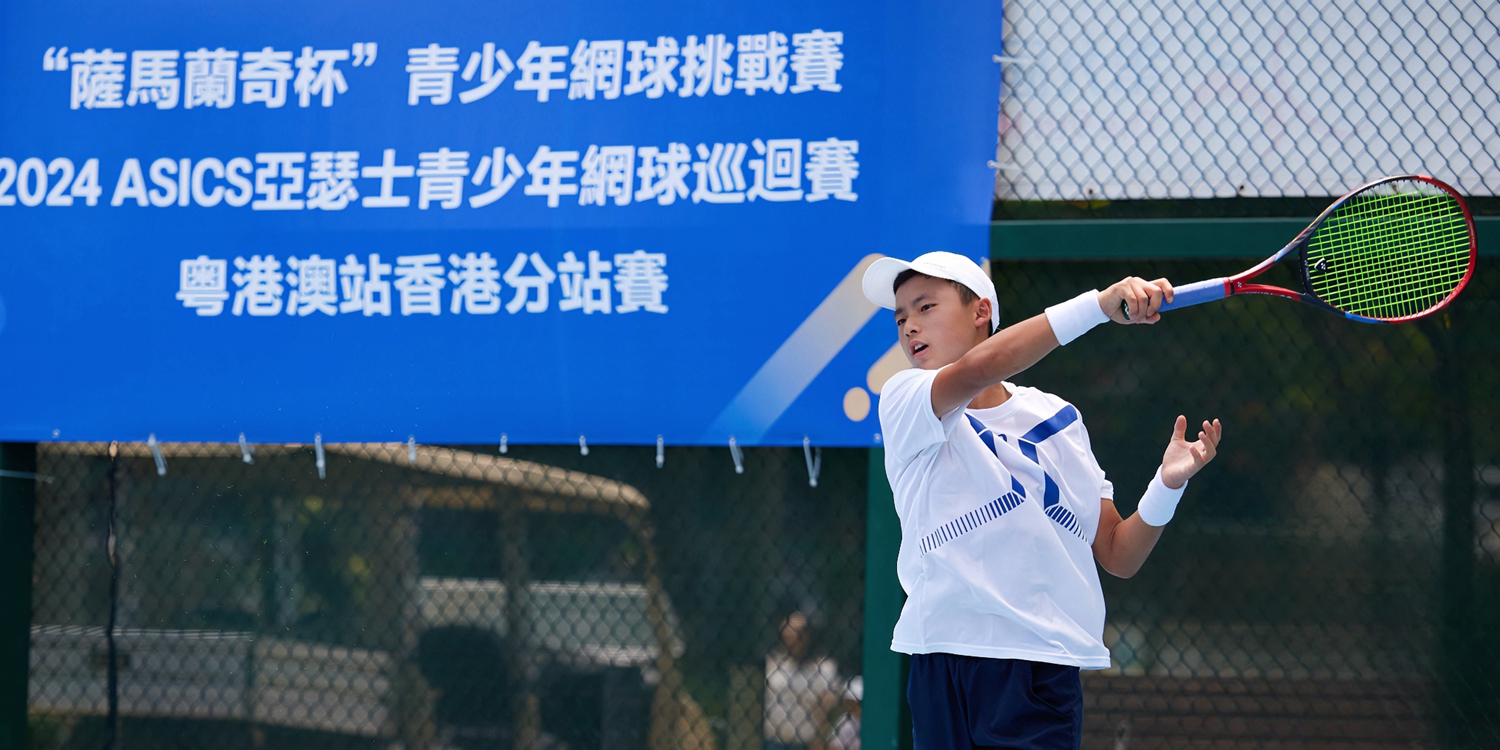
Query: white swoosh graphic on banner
x=797 y=362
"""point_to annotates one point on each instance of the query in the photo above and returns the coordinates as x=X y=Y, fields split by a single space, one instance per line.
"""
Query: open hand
x=1183 y=459
x=1134 y=300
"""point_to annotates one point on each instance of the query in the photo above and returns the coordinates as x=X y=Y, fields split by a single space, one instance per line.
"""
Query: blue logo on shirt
x=1051 y=493
x=1027 y=444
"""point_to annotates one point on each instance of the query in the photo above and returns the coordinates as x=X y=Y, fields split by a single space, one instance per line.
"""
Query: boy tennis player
x=1003 y=508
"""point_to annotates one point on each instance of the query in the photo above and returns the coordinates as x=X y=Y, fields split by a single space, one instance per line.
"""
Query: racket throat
x=1237 y=286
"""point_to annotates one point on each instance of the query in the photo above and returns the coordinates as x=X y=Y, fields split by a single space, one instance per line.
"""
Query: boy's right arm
x=1014 y=349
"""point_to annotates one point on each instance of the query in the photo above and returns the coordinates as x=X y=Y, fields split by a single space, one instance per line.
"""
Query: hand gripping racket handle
x=1197 y=293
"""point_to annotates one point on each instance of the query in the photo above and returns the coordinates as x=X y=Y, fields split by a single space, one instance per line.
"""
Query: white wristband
x=1159 y=502
x=1075 y=317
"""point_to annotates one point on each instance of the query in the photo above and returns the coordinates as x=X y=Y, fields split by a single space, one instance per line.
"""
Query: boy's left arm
x=1121 y=546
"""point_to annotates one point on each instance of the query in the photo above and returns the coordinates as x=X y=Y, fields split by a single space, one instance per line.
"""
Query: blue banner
x=457 y=221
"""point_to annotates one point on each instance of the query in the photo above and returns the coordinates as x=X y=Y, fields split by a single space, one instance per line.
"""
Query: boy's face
x=935 y=327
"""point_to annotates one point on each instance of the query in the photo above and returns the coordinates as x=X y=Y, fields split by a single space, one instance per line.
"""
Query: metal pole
x=1462 y=715
x=17 y=530
x=886 y=721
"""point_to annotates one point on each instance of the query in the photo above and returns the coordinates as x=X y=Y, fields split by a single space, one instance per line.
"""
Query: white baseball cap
x=880 y=278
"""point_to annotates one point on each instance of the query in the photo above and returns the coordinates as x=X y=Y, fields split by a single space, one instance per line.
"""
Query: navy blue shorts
x=962 y=702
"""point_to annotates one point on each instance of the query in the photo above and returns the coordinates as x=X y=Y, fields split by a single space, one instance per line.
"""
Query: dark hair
x=965 y=294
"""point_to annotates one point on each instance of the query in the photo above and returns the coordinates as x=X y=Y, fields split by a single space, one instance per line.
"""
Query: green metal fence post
x=886 y=722
x=1461 y=707
x=17 y=504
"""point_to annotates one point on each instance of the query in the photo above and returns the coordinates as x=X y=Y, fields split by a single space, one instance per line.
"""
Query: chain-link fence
x=364 y=596
x=1152 y=99
x=1333 y=578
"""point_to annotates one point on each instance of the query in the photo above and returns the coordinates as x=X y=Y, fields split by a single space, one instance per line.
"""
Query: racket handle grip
x=1196 y=294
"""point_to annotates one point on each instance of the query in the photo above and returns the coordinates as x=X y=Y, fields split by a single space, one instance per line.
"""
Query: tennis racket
x=1393 y=250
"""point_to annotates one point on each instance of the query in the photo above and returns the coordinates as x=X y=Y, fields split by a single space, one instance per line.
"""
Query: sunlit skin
x=938 y=331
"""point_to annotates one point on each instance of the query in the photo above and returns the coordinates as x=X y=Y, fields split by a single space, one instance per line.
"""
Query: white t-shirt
x=995 y=542
x=793 y=691
x=845 y=735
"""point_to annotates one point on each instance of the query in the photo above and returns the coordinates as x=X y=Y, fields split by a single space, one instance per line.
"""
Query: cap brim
x=880 y=278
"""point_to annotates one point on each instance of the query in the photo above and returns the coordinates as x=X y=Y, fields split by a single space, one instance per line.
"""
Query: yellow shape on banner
x=857 y=404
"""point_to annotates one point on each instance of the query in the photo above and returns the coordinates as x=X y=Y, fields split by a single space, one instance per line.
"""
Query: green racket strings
x=1397 y=249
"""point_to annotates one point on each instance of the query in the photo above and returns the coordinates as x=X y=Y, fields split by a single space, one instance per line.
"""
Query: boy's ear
x=984 y=313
